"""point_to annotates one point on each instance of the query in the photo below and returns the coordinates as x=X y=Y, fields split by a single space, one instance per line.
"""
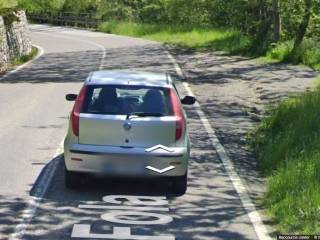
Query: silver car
x=130 y=124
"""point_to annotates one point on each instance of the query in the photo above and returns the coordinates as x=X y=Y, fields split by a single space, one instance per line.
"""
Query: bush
x=308 y=53
x=280 y=51
x=311 y=53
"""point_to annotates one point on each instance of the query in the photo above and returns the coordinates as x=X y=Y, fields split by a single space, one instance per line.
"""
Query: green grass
x=25 y=58
x=20 y=60
x=308 y=54
x=288 y=148
x=228 y=40
x=200 y=38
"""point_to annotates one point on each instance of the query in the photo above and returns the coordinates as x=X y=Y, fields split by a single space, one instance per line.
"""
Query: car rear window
x=124 y=100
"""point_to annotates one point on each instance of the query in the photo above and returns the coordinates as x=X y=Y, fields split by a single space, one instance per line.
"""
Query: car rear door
x=120 y=129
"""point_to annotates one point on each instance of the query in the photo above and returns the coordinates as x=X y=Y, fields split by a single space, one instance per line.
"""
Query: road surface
x=34 y=117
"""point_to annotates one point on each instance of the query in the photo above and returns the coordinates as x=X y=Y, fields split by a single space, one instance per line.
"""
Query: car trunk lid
x=118 y=130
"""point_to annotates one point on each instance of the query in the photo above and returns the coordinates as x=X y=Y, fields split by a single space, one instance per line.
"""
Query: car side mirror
x=71 y=97
x=188 y=100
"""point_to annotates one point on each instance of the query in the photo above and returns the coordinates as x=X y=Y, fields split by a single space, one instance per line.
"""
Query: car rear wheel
x=179 y=184
x=72 y=179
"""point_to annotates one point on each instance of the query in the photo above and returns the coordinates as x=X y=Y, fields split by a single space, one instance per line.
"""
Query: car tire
x=179 y=184
x=72 y=179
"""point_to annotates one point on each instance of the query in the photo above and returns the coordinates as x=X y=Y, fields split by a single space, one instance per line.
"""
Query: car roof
x=128 y=77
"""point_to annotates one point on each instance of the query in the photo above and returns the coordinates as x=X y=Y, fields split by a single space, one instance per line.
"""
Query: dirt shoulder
x=235 y=93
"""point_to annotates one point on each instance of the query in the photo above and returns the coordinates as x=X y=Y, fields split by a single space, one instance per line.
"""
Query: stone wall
x=4 y=49
x=14 y=40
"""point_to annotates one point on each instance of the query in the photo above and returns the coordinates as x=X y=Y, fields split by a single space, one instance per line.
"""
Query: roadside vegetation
x=282 y=30
x=25 y=58
x=7 y=11
x=21 y=60
x=229 y=40
x=288 y=148
x=200 y=38
x=7 y=8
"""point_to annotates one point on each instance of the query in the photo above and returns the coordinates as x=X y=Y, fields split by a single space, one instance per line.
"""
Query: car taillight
x=177 y=110
x=77 y=110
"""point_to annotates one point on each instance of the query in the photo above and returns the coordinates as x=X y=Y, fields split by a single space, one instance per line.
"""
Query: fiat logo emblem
x=127 y=126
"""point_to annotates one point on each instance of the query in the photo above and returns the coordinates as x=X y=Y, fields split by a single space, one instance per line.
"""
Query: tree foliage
x=42 y=5
x=266 y=21
x=8 y=4
x=7 y=8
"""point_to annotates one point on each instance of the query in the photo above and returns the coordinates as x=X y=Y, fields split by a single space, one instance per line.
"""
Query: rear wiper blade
x=144 y=114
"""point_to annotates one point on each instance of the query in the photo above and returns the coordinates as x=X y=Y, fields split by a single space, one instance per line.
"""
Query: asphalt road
x=34 y=115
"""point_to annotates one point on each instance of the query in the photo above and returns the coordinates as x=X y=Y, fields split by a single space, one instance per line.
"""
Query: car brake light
x=77 y=110
x=177 y=110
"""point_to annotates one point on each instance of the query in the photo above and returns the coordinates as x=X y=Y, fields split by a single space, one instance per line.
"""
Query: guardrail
x=83 y=20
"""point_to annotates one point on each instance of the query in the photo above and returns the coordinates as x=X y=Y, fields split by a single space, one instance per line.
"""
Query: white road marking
x=40 y=191
x=92 y=206
x=116 y=217
x=127 y=206
x=175 y=64
x=136 y=200
x=160 y=170
x=34 y=202
x=240 y=188
x=123 y=233
x=45 y=181
x=102 y=48
x=40 y=53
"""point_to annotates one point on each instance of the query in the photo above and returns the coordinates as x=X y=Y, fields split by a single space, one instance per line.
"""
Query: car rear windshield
x=124 y=100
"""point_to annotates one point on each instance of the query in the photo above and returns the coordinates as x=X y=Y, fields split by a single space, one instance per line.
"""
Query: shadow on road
x=211 y=208
x=235 y=93
x=71 y=67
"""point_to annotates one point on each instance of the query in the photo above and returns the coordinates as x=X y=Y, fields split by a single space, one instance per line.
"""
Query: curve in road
x=34 y=117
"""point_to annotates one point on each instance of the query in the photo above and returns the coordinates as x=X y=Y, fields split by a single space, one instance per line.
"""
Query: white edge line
x=240 y=188
x=102 y=48
x=34 y=203
x=40 y=53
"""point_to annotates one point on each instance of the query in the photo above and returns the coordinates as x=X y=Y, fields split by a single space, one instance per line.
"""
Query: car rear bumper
x=120 y=161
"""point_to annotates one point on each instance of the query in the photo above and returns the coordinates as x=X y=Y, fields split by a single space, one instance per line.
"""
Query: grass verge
x=20 y=60
x=200 y=38
x=25 y=58
x=288 y=148
x=228 y=40
x=308 y=54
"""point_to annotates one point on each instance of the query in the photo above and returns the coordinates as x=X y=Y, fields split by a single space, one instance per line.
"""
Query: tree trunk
x=277 y=20
x=303 y=26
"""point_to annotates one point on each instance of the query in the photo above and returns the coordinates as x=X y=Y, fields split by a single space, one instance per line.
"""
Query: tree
x=277 y=20
x=302 y=27
x=7 y=4
x=41 y=5
x=7 y=11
